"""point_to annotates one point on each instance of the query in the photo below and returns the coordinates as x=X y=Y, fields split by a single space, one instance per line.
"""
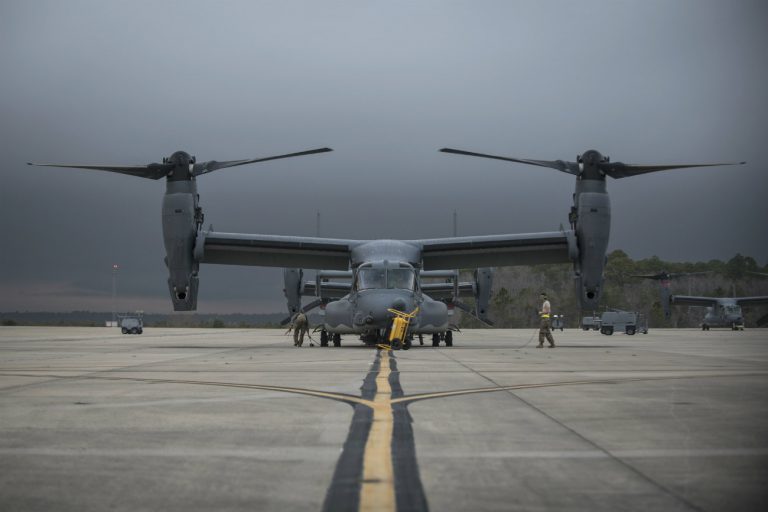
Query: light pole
x=115 y=268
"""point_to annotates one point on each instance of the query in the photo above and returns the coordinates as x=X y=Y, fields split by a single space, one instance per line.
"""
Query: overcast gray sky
x=385 y=84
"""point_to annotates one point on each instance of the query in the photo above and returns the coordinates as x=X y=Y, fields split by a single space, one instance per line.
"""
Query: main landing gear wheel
x=449 y=339
x=337 y=340
x=323 y=338
x=435 y=340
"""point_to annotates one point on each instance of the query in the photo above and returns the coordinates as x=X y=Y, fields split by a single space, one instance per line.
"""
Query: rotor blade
x=464 y=307
x=312 y=305
x=675 y=275
x=151 y=171
x=560 y=165
x=669 y=275
x=213 y=165
x=622 y=170
x=650 y=276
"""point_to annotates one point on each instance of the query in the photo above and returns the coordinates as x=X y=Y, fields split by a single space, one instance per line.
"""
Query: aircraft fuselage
x=723 y=314
x=378 y=287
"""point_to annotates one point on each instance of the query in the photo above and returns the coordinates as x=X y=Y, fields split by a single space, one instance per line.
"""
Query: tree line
x=515 y=295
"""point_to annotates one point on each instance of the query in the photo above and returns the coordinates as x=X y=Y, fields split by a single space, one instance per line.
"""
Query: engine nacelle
x=483 y=284
x=180 y=222
x=593 y=226
x=293 y=288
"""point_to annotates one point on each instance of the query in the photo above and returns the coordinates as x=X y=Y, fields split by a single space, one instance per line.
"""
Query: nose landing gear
x=446 y=337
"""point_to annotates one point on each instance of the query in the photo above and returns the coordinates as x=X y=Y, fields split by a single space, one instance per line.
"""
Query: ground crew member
x=545 y=328
x=300 y=326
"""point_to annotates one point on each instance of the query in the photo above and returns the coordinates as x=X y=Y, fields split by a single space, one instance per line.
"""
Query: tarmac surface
x=238 y=419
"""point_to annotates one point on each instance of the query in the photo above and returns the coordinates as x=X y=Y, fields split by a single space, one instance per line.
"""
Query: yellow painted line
x=378 y=489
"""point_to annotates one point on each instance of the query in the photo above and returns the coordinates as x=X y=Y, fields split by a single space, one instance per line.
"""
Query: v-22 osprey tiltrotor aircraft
x=721 y=311
x=375 y=285
x=378 y=264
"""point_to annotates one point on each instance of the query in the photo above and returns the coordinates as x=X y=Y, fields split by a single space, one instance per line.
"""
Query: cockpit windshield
x=399 y=278
x=732 y=310
x=371 y=278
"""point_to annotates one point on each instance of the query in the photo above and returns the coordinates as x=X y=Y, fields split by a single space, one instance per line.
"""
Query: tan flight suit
x=300 y=327
x=545 y=328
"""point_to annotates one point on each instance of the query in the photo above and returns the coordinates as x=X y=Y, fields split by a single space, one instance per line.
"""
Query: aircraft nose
x=399 y=304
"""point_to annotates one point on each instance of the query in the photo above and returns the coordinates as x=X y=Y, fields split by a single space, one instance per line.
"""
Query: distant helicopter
x=721 y=311
x=665 y=280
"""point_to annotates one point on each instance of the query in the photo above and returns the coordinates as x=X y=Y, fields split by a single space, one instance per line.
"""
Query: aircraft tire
x=449 y=339
x=134 y=331
x=631 y=331
x=323 y=338
x=435 y=340
x=337 y=340
x=124 y=330
x=141 y=331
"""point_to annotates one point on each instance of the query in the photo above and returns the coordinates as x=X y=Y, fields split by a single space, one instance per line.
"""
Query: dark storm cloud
x=385 y=84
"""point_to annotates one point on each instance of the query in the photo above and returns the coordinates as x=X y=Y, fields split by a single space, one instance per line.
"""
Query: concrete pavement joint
x=608 y=454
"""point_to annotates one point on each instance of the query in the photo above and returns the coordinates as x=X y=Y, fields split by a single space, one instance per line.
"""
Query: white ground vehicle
x=131 y=324
x=628 y=322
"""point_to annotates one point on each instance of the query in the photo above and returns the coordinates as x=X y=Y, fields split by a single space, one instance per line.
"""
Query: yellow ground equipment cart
x=398 y=333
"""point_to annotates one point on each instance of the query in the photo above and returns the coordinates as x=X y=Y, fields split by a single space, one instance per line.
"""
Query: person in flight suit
x=545 y=328
x=300 y=326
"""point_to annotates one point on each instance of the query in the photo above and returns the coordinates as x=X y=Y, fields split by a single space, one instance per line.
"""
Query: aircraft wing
x=273 y=250
x=497 y=250
x=751 y=301
x=328 y=289
x=686 y=300
x=445 y=290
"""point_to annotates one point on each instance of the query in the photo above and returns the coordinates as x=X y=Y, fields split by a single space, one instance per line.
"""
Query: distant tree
x=738 y=266
x=217 y=323
x=9 y=322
